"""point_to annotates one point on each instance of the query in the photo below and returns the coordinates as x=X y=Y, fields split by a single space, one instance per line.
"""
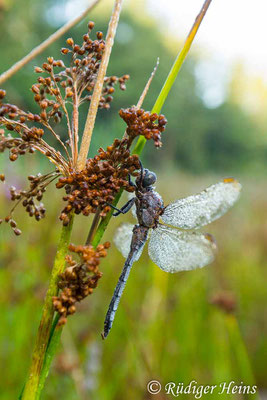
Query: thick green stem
x=50 y=353
x=105 y=221
x=43 y=335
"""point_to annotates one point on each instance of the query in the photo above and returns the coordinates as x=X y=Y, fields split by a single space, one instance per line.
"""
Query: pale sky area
x=232 y=31
x=232 y=28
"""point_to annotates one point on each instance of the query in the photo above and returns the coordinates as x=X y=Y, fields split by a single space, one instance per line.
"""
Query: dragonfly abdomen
x=138 y=242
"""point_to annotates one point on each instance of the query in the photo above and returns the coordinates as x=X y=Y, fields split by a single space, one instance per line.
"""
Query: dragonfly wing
x=173 y=250
x=123 y=239
x=201 y=209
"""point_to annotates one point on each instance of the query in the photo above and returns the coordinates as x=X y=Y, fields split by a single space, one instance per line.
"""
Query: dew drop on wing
x=201 y=209
x=173 y=250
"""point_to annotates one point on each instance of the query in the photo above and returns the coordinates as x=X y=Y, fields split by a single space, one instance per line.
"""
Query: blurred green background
x=166 y=327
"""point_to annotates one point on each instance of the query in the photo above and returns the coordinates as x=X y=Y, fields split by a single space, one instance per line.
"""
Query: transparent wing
x=173 y=250
x=123 y=238
x=203 y=208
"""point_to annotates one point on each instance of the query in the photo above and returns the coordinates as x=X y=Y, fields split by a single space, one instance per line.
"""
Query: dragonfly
x=174 y=245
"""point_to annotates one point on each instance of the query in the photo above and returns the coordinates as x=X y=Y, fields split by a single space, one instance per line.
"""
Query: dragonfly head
x=149 y=178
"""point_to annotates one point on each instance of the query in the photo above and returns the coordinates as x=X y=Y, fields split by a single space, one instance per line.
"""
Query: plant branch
x=41 y=47
x=93 y=227
x=49 y=127
x=43 y=334
x=75 y=123
x=146 y=88
x=90 y=121
x=145 y=91
x=62 y=102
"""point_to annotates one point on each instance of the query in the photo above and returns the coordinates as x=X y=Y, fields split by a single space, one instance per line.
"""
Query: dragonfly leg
x=142 y=170
x=130 y=181
x=124 y=209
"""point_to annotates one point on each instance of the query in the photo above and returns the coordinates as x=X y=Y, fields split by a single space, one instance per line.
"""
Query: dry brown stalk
x=145 y=91
x=90 y=121
x=41 y=47
x=146 y=88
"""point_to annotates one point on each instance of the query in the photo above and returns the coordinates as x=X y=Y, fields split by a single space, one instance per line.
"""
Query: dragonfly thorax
x=149 y=206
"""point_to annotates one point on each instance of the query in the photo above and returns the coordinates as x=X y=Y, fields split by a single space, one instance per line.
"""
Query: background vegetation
x=166 y=327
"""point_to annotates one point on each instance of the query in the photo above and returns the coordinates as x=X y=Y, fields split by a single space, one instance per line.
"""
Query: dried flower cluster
x=79 y=279
x=30 y=138
x=57 y=86
x=143 y=123
x=52 y=92
x=105 y=174
x=100 y=181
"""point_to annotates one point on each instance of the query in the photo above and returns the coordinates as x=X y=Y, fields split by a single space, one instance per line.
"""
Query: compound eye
x=149 y=178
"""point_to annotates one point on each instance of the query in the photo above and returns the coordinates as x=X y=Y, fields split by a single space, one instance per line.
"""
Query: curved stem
x=43 y=334
x=49 y=127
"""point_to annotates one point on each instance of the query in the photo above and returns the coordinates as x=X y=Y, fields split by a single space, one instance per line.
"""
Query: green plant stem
x=55 y=333
x=239 y=351
x=43 y=335
x=105 y=221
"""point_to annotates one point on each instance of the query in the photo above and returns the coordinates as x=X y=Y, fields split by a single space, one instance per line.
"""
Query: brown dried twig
x=41 y=47
x=90 y=121
x=145 y=91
